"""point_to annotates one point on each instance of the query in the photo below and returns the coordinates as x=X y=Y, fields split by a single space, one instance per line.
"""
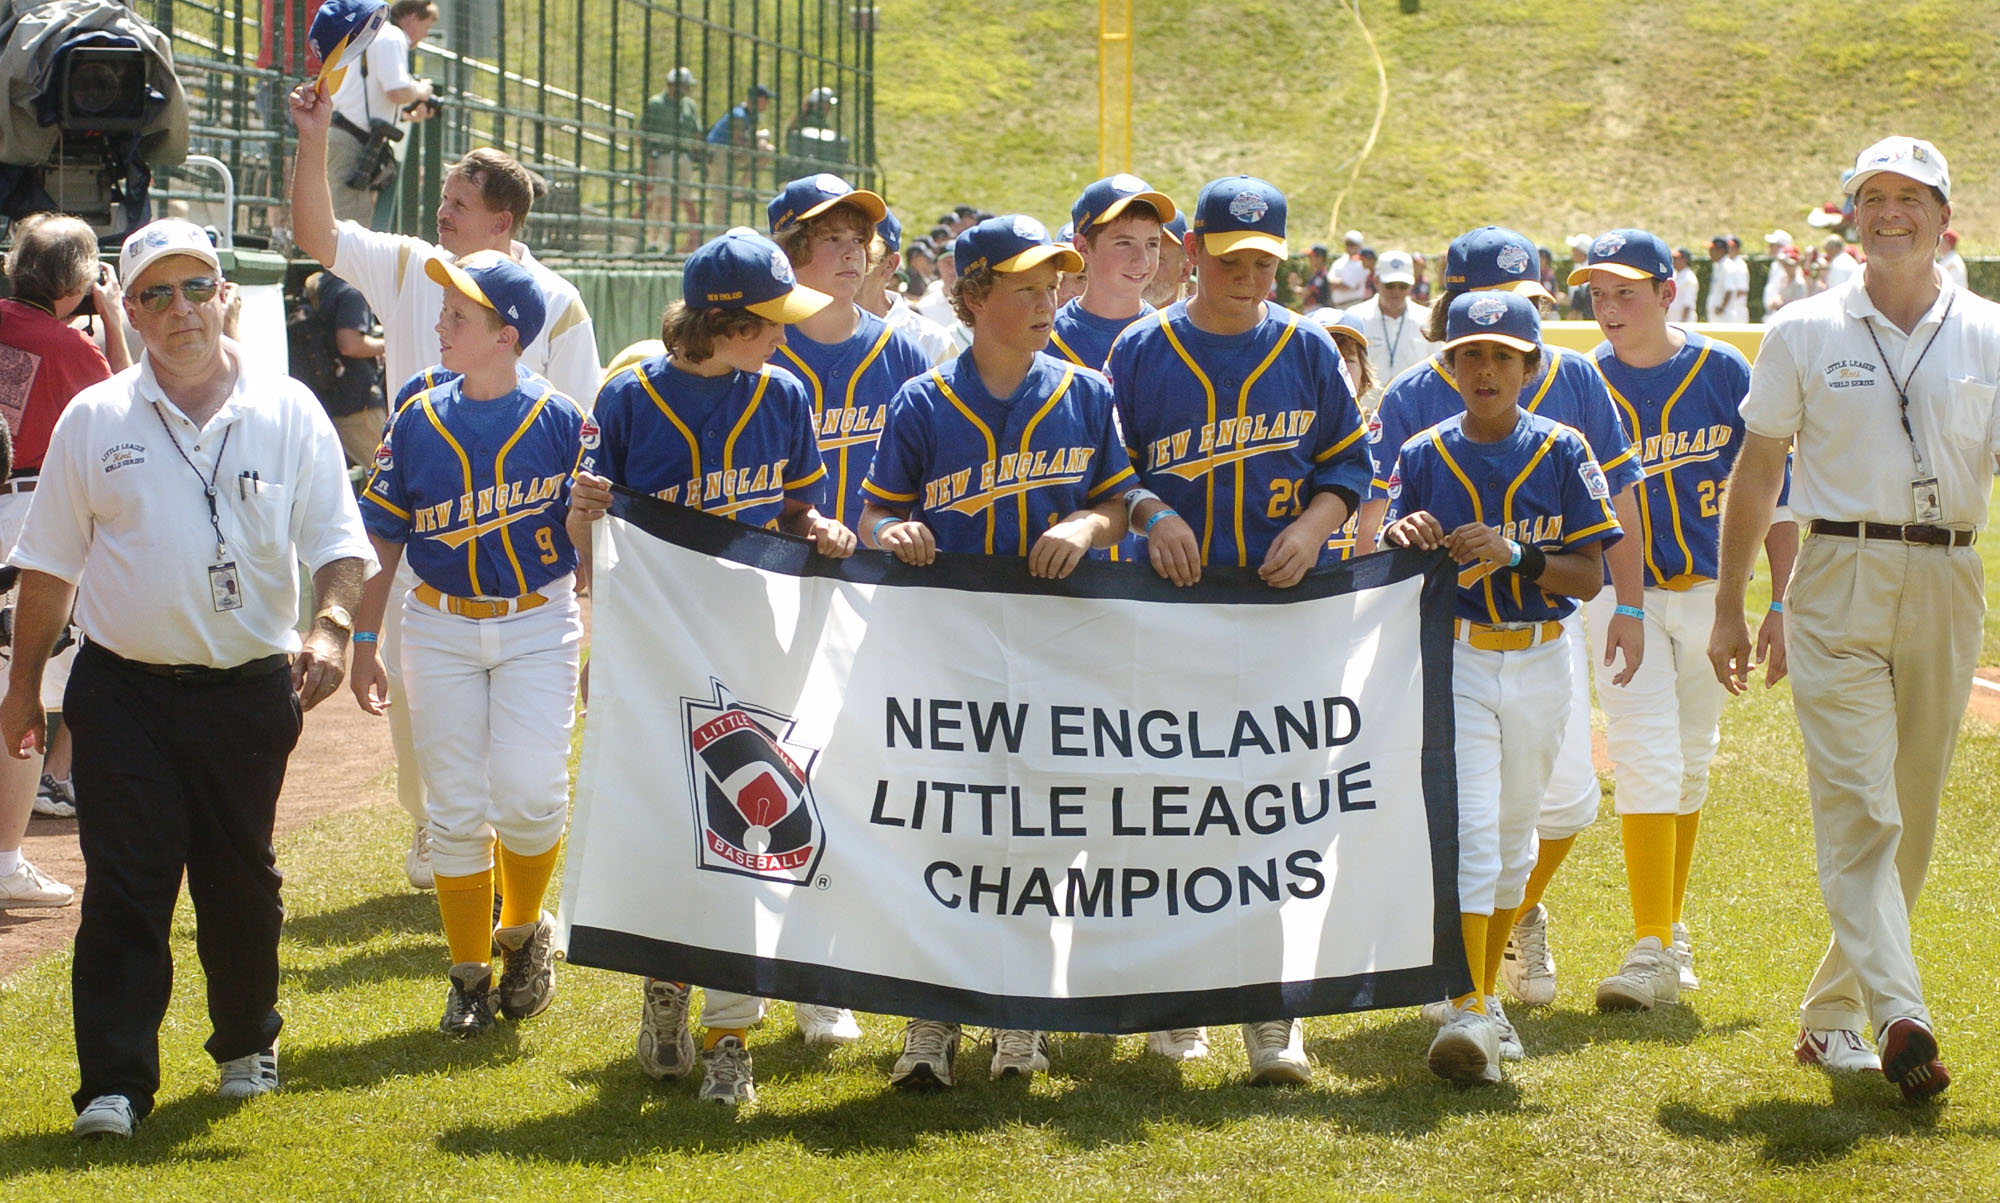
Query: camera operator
x=43 y=363
x=372 y=101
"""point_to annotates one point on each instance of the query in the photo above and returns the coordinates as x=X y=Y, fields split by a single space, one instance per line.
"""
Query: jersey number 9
x=545 y=538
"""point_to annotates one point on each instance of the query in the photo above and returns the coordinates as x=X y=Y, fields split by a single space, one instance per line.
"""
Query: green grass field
x=1700 y=1102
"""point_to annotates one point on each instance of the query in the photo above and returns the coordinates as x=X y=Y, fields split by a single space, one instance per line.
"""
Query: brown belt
x=1929 y=536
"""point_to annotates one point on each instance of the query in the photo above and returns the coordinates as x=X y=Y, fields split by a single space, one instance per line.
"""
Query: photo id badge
x=223 y=584
x=1925 y=493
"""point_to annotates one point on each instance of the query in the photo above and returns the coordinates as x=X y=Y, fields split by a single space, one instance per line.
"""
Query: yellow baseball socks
x=523 y=881
x=1548 y=858
x=1475 y=928
x=466 y=906
x=1650 y=869
x=1685 y=828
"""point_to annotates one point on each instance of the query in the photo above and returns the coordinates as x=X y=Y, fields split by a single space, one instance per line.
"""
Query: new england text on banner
x=959 y=792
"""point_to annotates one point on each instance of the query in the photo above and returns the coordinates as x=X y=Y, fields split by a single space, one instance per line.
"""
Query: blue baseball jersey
x=1682 y=419
x=477 y=491
x=989 y=474
x=1538 y=485
x=850 y=384
x=1568 y=390
x=431 y=377
x=1238 y=432
x=1085 y=339
x=738 y=445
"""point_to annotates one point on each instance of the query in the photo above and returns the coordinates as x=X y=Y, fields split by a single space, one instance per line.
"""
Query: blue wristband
x=365 y=637
x=1629 y=612
x=1514 y=551
x=1155 y=520
x=1777 y=607
x=875 y=532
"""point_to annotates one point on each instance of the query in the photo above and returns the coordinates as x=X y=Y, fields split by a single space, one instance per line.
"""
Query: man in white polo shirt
x=176 y=501
x=485 y=200
x=1394 y=322
x=1888 y=387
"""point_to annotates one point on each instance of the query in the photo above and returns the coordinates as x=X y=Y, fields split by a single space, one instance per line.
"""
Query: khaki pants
x=360 y=434
x=1882 y=640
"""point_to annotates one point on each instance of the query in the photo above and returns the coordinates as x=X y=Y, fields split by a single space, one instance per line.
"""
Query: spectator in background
x=1728 y=282
x=1787 y=283
x=1687 y=287
x=1420 y=290
x=737 y=141
x=1949 y=260
x=1393 y=323
x=1577 y=301
x=358 y=407
x=919 y=265
x=1841 y=266
x=1349 y=284
x=879 y=296
x=1319 y=284
x=1171 y=280
x=1548 y=278
x=376 y=89
x=672 y=125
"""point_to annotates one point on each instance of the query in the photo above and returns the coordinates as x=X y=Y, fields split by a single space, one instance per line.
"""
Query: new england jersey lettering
x=1538 y=485
x=477 y=491
x=1569 y=390
x=849 y=384
x=1237 y=432
x=988 y=475
x=737 y=445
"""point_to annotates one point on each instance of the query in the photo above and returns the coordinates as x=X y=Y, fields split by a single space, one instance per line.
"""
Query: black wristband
x=1533 y=561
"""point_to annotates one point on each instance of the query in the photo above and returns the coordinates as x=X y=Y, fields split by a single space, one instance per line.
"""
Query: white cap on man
x=1395 y=267
x=1912 y=157
x=158 y=239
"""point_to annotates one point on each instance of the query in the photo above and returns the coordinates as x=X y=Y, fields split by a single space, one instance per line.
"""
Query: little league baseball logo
x=831 y=184
x=751 y=790
x=781 y=267
x=1513 y=260
x=1248 y=206
x=1030 y=229
x=1487 y=311
x=588 y=434
x=1607 y=245
x=1126 y=185
x=385 y=459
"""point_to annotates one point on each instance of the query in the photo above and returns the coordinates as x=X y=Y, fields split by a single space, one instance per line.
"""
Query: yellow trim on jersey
x=1098 y=493
x=1588 y=531
x=1027 y=433
x=1242 y=411
x=1208 y=478
x=992 y=448
x=819 y=409
x=869 y=486
x=1664 y=469
x=729 y=444
x=499 y=482
x=402 y=262
x=1068 y=353
x=391 y=506
x=1478 y=515
x=1507 y=500
x=465 y=466
x=573 y=316
x=694 y=445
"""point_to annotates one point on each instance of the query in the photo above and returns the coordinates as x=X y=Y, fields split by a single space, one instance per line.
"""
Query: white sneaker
x=928 y=1050
x=249 y=1075
x=417 y=861
x=28 y=886
x=105 y=1115
x=665 y=1047
x=1527 y=967
x=1179 y=1044
x=1439 y=1013
x=826 y=1025
x=1511 y=1048
x=1019 y=1052
x=1683 y=951
x=1277 y=1052
x=1648 y=978
x=1835 y=1050
x=55 y=799
x=725 y=1074
x=1467 y=1050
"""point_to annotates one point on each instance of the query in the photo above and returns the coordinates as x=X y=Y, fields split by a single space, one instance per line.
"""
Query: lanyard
x=1902 y=386
x=1397 y=341
x=208 y=485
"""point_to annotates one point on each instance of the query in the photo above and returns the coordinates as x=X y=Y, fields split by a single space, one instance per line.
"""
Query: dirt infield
x=339 y=765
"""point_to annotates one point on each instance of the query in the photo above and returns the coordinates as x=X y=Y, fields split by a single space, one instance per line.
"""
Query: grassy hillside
x=1689 y=117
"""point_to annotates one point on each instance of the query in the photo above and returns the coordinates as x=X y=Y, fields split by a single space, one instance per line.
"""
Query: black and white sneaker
x=105 y=1115
x=468 y=1009
x=249 y=1075
x=527 y=967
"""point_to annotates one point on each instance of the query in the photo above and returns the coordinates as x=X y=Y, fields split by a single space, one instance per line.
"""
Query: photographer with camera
x=368 y=110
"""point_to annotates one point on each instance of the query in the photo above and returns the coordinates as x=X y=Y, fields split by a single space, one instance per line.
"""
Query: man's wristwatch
x=338 y=618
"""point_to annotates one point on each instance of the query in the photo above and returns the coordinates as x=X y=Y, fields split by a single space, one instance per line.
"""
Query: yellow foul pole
x=1114 y=86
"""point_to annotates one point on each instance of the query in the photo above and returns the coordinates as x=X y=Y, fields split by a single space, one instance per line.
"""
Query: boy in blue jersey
x=1677 y=393
x=1352 y=338
x=711 y=426
x=1569 y=390
x=1003 y=451
x=1116 y=228
x=1240 y=420
x=851 y=361
x=472 y=480
x=1519 y=500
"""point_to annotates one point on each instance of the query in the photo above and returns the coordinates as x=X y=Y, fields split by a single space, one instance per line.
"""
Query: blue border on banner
x=1446 y=976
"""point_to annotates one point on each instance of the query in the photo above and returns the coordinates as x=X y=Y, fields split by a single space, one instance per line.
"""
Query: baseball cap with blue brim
x=500 y=284
x=1012 y=243
x=809 y=196
x=1107 y=199
x=1492 y=316
x=1240 y=212
x=1628 y=254
x=1493 y=257
x=1912 y=157
x=340 y=31
x=745 y=270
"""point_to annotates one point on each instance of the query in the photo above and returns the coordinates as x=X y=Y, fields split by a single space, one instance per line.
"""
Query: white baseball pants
x=1510 y=708
x=1569 y=806
x=1661 y=725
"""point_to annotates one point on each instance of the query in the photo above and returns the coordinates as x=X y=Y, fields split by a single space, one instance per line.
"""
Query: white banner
x=958 y=792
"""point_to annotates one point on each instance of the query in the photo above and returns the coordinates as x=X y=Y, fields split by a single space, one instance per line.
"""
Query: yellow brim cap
x=795 y=306
x=1506 y=340
x=1162 y=205
x=452 y=276
x=874 y=206
x=1066 y=259
x=1526 y=288
x=1229 y=241
x=1582 y=274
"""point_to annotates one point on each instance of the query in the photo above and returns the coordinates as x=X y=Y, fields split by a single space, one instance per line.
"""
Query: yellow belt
x=467 y=607
x=1506 y=639
x=1684 y=582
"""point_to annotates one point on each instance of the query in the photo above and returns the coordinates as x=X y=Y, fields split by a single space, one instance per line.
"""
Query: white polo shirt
x=389 y=271
x=1819 y=377
x=1686 y=286
x=1395 y=344
x=362 y=98
x=118 y=513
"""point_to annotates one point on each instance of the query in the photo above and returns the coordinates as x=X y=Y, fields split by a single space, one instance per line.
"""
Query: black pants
x=171 y=776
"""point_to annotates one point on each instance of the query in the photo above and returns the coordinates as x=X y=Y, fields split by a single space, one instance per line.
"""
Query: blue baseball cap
x=1177 y=228
x=1493 y=257
x=1341 y=324
x=1629 y=254
x=1493 y=316
x=500 y=284
x=341 y=30
x=1240 y=212
x=807 y=197
x=745 y=270
x=1013 y=243
x=1109 y=197
x=891 y=231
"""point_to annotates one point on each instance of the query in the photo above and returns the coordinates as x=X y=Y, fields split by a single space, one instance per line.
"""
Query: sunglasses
x=199 y=290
